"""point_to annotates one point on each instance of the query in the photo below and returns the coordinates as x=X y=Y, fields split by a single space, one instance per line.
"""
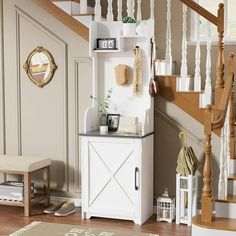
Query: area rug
x=38 y=228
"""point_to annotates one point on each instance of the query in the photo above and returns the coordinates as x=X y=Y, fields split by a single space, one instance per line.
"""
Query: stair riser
x=232 y=167
x=184 y=84
x=225 y=210
x=72 y=8
x=86 y=20
x=231 y=187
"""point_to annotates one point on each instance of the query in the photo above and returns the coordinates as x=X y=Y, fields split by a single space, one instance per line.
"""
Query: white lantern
x=165 y=207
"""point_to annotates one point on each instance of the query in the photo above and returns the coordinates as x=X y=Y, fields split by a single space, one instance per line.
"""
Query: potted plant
x=103 y=107
x=129 y=26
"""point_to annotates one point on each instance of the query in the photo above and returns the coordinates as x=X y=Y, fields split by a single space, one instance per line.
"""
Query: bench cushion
x=23 y=163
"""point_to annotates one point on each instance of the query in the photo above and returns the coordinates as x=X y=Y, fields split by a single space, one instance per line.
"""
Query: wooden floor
x=12 y=219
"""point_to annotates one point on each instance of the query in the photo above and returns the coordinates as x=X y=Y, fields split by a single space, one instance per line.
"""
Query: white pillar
x=139 y=10
x=197 y=76
x=110 y=16
x=97 y=10
x=83 y=7
x=168 y=56
x=184 y=69
x=119 y=10
x=152 y=5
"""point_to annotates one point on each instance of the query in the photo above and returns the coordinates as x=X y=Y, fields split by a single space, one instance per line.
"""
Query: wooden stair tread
x=63 y=17
x=217 y=223
x=90 y=3
x=82 y=14
x=229 y=199
x=191 y=91
x=232 y=177
x=188 y=102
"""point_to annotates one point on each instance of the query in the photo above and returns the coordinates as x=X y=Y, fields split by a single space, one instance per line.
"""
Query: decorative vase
x=129 y=29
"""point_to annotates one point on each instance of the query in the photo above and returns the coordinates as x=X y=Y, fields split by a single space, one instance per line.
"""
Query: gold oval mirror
x=40 y=66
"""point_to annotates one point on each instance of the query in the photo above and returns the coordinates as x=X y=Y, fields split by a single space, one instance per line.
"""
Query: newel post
x=220 y=60
x=207 y=169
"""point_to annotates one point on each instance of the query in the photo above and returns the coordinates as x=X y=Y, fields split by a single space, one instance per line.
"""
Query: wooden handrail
x=201 y=11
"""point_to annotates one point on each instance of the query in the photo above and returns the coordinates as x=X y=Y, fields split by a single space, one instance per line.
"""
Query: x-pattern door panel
x=111 y=177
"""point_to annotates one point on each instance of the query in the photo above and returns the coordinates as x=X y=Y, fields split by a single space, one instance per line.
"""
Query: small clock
x=106 y=44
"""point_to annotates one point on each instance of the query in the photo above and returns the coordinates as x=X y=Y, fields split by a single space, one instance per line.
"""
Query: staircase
x=175 y=89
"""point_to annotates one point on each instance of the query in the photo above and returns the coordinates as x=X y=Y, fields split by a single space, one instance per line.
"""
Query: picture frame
x=113 y=122
x=106 y=44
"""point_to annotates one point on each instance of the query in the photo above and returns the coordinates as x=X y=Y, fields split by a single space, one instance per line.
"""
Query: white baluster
x=130 y=8
x=208 y=88
x=97 y=11
x=224 y=157
x=168 y=56
x=152 y=5
x=110 y=16
x=184 y=69
x=83 y=7
x=119 y=10
x=139 y=11
x=197 y=77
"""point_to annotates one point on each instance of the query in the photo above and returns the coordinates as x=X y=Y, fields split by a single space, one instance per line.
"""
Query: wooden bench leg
x=46 y=184
x=27 y=193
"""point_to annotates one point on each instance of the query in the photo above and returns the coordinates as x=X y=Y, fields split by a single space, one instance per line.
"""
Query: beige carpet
x=38 y=228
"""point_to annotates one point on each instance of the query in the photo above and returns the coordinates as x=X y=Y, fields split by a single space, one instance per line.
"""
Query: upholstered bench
x=26 y=166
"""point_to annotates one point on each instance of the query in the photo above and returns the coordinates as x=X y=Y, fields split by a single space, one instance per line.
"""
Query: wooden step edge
x=218 y=223
x=232 y=177
x=82 y=15
x=191 y=92
x=229 y=199
x=90 y=4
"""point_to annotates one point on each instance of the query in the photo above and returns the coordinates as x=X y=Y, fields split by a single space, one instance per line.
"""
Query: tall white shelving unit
x=117 y=169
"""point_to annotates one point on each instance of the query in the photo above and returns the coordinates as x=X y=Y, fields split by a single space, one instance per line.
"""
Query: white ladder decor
x=152 y=5
x=139 y=12
x=168 y=56
x=197 y=76
x=119 y=10
x=83 y=6
x=97 y=10
x=110 y=16
x=224 y=158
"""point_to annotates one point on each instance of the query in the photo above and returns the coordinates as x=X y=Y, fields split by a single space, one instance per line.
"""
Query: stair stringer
x=65 y=18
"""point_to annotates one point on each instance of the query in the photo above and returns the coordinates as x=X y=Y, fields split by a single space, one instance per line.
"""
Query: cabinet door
x=111 y=165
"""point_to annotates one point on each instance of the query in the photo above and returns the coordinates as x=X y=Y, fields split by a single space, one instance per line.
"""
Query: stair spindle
x=97 y=10
x=110 y=16
x=119 y=10
x=152 y=5
x=139 y=12
x=197 y=76
x=130 y=8
x=83 y=6
x=224 y=158
x=168 y=56
x=208 y=87
x=184 y=69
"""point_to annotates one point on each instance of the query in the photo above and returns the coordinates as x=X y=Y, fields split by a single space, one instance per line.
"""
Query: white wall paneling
x=81 y=66
x=45 y=121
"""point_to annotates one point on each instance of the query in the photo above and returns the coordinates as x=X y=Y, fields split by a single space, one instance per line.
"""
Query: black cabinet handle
x=135 y=178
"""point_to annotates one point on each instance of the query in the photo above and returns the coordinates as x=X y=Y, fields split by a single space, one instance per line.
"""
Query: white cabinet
x=117 y=178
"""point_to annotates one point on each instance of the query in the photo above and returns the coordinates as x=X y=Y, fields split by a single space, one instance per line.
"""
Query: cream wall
x=44 y=121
